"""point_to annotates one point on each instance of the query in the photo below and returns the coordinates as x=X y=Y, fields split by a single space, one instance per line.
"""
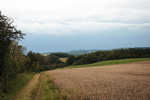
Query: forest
x=14 y=60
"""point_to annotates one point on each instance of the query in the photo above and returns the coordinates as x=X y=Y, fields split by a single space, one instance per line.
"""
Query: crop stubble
x=122 y=81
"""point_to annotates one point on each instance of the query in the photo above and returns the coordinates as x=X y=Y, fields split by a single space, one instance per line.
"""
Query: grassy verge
x=111 y=62
x=49 y=90
x=14 y=85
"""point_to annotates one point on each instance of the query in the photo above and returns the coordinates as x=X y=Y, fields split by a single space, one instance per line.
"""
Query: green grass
x=49 y=90
x=111 y=62
x=15 y=85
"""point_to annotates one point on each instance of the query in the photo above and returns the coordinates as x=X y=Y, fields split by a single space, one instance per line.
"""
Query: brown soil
x=112 y=82
x=25 y=92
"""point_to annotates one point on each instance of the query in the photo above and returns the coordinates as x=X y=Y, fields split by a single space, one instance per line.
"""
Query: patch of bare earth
x=25 y=92
x=113 y=82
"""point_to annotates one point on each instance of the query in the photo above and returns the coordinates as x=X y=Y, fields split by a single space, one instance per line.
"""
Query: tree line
x=109 y=55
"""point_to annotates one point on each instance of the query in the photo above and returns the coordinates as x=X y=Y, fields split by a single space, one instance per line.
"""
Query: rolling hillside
x=73 y=52
x=82 y=52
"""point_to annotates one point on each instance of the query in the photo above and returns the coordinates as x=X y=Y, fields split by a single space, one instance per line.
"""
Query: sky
x=65 y=25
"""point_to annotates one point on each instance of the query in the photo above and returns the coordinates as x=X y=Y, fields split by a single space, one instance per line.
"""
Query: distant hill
x=74 y=52
x=82 y=52
x=45 y=54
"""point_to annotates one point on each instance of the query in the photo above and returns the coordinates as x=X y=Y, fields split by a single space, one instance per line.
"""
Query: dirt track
x=122 y=81
x=25 y=92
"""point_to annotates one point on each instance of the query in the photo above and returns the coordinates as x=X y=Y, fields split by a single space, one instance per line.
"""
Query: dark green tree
x=91 y=58
x=53 y=59
x=8 y=33
x=70 y=60
x=35 y=59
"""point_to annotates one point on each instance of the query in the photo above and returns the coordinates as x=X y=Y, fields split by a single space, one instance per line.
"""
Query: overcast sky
x=64 y=25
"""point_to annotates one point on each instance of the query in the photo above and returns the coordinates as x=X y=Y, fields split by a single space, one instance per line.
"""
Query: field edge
x=110 y=62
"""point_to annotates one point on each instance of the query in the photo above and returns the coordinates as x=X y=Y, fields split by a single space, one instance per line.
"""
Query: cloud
x=78 y=16
x=79 y=27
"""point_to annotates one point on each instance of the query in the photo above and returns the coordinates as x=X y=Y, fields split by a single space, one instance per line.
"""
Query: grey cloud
x=74 y=16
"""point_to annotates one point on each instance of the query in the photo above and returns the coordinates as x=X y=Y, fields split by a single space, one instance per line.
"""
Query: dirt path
x=25 y=92
x=39 y=91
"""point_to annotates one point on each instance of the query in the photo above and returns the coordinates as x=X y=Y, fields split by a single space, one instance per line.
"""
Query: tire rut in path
x=37 y=97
